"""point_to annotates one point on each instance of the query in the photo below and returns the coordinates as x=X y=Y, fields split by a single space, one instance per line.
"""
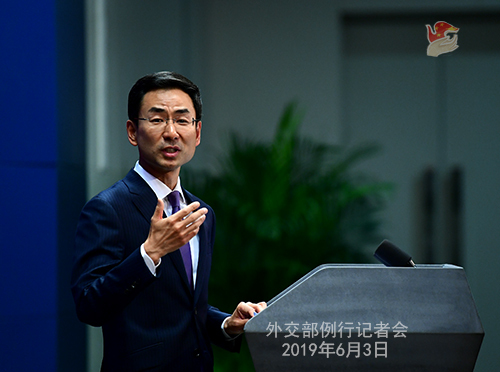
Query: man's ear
x=198 y=133
x=132 y=132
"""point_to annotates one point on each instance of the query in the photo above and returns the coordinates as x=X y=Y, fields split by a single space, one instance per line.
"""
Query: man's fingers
x=184 y=212
x=188 y=225
x=158 y=214
x=260 y=306
x=248 y=309
x=196 y=218
x=189 y=214
x=257 y=308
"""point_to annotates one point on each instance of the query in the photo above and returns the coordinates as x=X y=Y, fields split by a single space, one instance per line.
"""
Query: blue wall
x=42 y=168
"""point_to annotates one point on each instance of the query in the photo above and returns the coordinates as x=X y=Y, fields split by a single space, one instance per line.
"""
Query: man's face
x=164 y=148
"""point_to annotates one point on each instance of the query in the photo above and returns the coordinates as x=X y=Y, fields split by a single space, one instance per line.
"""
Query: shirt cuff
x=229 y=338
x=149 y=261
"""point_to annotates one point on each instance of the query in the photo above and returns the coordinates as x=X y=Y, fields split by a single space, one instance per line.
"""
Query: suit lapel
x=201 y=274
x=202 y=262
x=142 y=195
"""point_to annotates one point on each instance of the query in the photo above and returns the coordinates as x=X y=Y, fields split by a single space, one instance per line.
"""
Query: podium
x=369 y=318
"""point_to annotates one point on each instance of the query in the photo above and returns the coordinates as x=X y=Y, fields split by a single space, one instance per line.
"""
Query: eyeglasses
x=178 y=123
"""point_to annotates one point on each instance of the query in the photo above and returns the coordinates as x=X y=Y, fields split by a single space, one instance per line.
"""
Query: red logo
x=439 y=41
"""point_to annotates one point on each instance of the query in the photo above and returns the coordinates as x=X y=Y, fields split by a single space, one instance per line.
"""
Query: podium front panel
x=369 y=318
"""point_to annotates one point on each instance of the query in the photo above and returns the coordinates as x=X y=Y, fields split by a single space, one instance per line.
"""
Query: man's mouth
x=171 y=151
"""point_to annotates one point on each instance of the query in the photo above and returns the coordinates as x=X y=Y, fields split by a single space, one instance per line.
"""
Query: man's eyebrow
x=156 y=109
x=177 y=112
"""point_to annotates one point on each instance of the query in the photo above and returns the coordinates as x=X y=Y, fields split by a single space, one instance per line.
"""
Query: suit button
x=196 y=353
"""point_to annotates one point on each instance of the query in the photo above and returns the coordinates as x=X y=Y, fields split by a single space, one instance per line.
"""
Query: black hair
x=162 y=80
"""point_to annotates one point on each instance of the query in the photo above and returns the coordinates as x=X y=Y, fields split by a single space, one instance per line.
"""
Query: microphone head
x=390 y=255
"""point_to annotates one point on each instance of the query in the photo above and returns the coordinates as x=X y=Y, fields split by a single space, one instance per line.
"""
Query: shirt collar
x=160 y=189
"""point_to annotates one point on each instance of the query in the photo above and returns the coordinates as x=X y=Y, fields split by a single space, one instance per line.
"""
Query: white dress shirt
x=161 y=190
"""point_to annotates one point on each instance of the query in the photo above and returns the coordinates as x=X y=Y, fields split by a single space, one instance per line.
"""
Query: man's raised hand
x=166 y=235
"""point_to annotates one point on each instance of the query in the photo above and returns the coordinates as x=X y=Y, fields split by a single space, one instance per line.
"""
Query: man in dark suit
x=144 y=246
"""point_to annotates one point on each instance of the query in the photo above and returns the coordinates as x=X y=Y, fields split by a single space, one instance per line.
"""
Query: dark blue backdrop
x=42 y=168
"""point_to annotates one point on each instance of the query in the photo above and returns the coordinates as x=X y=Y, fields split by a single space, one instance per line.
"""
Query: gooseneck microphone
x=390 y=255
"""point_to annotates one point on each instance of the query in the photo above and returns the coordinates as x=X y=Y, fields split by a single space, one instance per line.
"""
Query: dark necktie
x=174 y=200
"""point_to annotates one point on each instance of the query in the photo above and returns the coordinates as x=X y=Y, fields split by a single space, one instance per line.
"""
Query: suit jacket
x=148 y=323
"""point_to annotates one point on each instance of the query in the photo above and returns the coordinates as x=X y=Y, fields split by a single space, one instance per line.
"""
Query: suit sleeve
x=104 y=281
x=214 y=326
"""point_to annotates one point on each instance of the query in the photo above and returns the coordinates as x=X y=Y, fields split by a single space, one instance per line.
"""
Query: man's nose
x=169 y=130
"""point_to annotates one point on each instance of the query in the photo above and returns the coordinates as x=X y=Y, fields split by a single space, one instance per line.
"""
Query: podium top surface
x=425 y=299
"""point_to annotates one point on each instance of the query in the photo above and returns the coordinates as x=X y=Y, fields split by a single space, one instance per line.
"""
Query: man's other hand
x=244 y=312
